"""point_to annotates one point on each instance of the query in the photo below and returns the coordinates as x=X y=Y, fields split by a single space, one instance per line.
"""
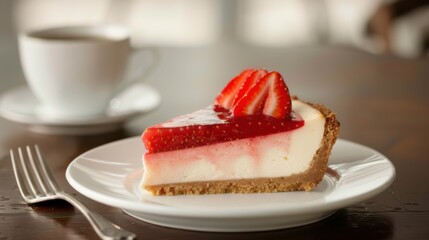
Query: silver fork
x=36 y=184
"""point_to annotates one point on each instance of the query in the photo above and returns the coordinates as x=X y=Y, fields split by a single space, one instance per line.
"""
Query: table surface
x=381 y=101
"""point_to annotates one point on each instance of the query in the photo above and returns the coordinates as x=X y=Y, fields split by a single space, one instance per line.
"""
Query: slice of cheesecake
x=254 y=138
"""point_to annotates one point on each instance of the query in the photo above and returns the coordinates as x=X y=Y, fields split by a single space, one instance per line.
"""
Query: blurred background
x=378 y=26
x=398 y=27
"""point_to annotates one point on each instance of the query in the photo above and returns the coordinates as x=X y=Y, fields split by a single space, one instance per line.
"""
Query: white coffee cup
x=74 y=71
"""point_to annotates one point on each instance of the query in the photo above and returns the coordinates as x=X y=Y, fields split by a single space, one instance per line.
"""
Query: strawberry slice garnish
x=228 y=94
x=268 y=96
x=250 y=81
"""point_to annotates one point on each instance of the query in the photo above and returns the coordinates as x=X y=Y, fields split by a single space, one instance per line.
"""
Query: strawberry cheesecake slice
x=254 y=138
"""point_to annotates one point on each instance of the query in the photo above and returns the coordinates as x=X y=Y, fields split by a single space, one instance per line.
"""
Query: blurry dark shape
x=402 y=7
x=384 y=18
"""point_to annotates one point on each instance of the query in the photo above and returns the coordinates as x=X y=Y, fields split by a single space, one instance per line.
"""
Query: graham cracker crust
x=305 y=181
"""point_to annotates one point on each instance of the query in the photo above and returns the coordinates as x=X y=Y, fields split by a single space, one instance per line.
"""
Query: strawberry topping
x=254 y=103
x=250 y=81
x=227 y=95
x=268 y=96
x=211 y=125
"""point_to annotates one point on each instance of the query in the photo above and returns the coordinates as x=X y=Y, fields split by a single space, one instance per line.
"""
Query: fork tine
x=17 y=170
x=28 y=176
x=36 y=172
x=46 y=173
x=18 y=176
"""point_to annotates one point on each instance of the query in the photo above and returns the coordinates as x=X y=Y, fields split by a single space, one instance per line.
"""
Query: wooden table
x=381 y=101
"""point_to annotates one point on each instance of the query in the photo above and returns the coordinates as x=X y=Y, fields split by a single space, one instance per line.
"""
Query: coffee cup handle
x=136 y=71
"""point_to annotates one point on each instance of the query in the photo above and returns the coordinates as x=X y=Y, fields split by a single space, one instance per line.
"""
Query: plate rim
x=310 y=207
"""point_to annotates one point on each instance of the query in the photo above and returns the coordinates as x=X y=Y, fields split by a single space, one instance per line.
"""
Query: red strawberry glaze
x=211 y=125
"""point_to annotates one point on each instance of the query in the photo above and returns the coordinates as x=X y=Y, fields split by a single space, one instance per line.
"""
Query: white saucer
x=21 y=106
x=111 y=174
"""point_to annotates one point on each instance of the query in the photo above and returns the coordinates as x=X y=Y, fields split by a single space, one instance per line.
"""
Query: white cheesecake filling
x=273 y=155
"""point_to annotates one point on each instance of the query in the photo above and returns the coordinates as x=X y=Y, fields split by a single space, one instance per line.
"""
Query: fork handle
x=104 y=228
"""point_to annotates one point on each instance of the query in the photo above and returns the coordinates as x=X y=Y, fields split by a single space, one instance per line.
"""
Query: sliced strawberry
x=269 y=96
x=226 y=97
x=278 y=103
x=250 y=81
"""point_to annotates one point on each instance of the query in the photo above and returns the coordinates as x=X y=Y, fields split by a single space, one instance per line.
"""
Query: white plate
x=110 y=174
x=20 y=105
